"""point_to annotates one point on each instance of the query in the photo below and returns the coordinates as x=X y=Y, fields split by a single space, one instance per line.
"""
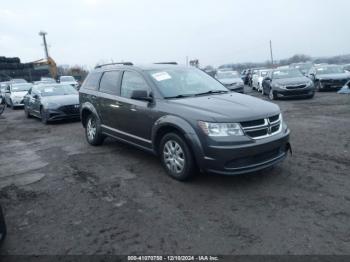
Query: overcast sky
x=216 y=32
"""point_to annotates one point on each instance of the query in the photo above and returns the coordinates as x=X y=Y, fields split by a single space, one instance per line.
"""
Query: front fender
x=187 y=131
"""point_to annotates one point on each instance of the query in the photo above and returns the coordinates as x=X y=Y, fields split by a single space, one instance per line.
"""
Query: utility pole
x=271 y=53
x=43 y=34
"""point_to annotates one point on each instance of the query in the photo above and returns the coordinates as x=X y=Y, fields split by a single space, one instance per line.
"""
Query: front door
x=137 y=117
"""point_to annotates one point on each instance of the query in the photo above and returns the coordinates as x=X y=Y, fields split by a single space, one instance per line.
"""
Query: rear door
x=109 y=107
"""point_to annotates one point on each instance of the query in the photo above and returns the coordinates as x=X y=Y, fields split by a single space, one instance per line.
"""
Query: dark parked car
x=52 y=102
x=3 y=230
x=231 y=80
x=185 y=116
x=281 y=83
x=329 y=77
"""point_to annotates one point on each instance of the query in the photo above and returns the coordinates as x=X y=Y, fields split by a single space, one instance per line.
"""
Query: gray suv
x=184 y=116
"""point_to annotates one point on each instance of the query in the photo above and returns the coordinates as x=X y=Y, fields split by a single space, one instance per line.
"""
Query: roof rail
x=166 y=63
x=121 y=63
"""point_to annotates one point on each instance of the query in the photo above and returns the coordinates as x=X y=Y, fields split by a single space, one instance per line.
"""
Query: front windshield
x=67 y=79
x=329 y=70
x=57 y=90
x=20 y=87
x=223 y=75
x=177 y=82
x=280 y=74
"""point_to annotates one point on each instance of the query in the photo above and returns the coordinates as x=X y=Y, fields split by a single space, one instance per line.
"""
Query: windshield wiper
x=178 y=96
x=212 y=92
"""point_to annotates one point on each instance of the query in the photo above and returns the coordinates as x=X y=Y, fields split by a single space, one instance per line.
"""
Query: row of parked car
x=296 y=80
x=45 y=99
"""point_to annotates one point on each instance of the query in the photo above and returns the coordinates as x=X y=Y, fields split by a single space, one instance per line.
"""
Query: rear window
x=92 y=80
x=109 y=82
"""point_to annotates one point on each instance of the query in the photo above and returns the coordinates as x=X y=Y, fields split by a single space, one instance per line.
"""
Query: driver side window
x=132 y=81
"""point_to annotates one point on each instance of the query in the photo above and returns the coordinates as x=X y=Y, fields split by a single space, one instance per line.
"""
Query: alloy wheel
x=174 y=157
x=91 y=129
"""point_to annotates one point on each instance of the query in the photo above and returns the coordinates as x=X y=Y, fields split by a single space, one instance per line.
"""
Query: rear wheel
x=93 y=131
x=176 y=157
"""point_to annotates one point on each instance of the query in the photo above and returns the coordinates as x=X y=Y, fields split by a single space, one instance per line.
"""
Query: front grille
x=295 y=86
x=262 y=128
x=251 y=160
x=70 y=110
x=333 y=83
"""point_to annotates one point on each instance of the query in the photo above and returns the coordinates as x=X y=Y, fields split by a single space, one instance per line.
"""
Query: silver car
x=14 y=94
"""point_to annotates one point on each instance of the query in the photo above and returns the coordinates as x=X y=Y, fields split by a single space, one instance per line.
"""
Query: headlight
x=309 y=84
x=221 y=129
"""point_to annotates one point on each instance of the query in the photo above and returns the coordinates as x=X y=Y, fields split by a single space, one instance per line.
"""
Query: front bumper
x=17 y=102
x=55 y=115
x=302 y=92
x=332 y=84
x=246 y=158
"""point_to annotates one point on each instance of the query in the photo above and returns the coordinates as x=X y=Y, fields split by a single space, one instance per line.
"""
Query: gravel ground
x=62 y=196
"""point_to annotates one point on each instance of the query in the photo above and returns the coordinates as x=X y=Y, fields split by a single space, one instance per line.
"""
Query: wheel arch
x=168 y=124
x=85 y=111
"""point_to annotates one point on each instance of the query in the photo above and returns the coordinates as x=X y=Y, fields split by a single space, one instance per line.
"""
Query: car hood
x=21 y=93
x=333 y=76
x=292 y=81
x=228 y=81
x=57 y=101
x=230 y=107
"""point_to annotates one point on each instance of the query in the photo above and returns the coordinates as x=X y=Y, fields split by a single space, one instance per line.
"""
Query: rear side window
x=92 y=81
x=109 y=82
x=132 y=81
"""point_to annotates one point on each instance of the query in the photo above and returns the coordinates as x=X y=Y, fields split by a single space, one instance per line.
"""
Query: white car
x=14 y=94
x=258 y=79
x=69 y=80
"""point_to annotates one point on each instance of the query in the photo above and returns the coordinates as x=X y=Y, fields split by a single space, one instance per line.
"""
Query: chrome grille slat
x=265 y=130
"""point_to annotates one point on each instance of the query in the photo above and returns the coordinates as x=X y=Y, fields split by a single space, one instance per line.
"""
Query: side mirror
x=267 y=79
x=35 y=96
x=312 y=76
x=141 y=95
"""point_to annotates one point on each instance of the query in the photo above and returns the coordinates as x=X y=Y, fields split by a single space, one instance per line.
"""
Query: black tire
x=188 y=169
x=43 y=116
x=93 y=138
x=26 y=112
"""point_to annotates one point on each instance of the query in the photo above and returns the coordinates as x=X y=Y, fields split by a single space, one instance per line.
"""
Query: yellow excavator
x=47 y=63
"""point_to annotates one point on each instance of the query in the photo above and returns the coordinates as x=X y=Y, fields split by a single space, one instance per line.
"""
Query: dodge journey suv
x=187 y=118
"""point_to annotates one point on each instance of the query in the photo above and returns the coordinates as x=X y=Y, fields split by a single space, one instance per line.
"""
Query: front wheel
x=93 y=131
x=176 y=157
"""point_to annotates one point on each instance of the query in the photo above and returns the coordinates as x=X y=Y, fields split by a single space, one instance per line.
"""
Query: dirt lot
x=62 y=196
